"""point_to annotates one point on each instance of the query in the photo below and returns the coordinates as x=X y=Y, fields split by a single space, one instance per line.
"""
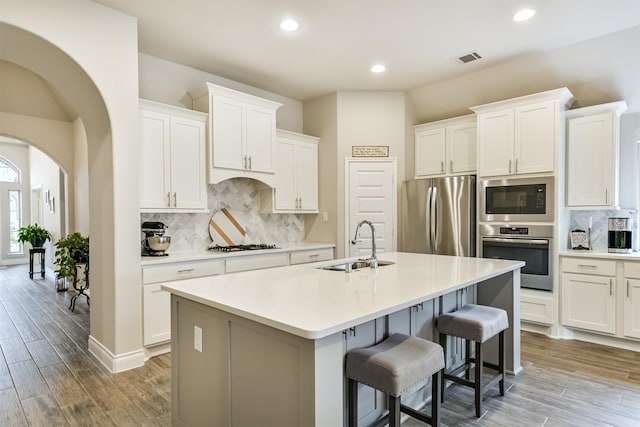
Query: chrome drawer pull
x=186 y=270
x=587 y=266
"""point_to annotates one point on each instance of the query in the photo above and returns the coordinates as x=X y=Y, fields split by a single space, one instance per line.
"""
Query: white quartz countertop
x=204 y=254
x=313 y=303
x=635 y=256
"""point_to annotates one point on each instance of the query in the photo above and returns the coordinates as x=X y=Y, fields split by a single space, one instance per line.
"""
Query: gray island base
x=267 y=347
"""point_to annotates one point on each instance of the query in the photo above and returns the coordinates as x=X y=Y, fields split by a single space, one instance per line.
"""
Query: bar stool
x=399 y=365
x=476 y=323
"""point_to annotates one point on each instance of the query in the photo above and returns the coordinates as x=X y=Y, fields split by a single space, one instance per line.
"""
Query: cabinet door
x=535 y=138
x=154 y=160
x=371 y=403
x=495 y=143
x=285 y=192
x=227 y=133
x=188 y=179
x=632 y=308
x=430 y=146
x=259 y=138
x=588 y=302
x=590 y=161
x=156 y=314
x=307 y=176
x=461 y=148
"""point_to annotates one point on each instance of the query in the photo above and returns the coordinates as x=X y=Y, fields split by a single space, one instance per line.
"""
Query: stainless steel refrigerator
x=438 y=216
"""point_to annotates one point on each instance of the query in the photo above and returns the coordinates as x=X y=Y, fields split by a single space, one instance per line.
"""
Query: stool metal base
x=479 y=385
x=396 y=408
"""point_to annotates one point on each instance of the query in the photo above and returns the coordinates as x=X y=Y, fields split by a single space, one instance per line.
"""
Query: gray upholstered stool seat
x=399 y=365
x=476 y=323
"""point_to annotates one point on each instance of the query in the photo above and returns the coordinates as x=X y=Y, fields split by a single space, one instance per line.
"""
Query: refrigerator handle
x=427 y=220
x=434 y=219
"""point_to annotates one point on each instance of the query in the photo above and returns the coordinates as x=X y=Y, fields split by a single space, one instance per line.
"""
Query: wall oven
x=532 y=244
x=517 y=200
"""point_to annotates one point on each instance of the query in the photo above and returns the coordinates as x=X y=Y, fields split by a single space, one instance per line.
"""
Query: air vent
x=468 y=57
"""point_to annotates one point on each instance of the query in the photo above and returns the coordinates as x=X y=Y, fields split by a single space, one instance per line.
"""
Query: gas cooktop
x=247 y=247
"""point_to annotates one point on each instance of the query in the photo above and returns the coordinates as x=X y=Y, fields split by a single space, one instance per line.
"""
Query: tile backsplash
x=190 y=231
x=600 y=227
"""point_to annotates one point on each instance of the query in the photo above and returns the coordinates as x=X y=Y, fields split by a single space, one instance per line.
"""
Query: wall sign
x=370 y=151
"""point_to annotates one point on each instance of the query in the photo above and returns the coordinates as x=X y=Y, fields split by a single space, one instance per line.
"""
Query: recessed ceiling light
x=378 y=68
x=524 y=15
x=289 y=25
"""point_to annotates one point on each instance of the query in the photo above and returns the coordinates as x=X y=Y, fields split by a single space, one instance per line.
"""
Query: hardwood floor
x=47 y=377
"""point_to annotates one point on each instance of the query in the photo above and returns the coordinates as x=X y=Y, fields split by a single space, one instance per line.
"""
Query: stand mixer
x=154 y=242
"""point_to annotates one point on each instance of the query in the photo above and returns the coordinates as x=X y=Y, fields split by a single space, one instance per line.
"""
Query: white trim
x=156 y=350
x=115 y=363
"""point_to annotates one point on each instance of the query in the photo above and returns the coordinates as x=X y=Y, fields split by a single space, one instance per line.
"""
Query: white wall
x=168 y=82
x=79 y=199
x=89 y=54
x=596 y=71
x=45 y=174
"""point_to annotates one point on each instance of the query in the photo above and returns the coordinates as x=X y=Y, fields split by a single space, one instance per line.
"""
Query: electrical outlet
x=325 y=216
x=197 y=338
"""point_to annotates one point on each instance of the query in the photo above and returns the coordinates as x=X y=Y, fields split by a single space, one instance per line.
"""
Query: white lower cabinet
x=537 y=307
x=588 y=302
x=632 y=299
x=601 y=295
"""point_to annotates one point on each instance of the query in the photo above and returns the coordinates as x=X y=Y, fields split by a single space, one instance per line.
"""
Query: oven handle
x=539 y=242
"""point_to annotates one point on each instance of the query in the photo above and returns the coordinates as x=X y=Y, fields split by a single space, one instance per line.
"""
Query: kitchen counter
x=605 y=255
x=267 y=347
x=204 y=254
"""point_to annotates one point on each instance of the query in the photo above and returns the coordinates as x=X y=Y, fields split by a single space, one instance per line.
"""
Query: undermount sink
x=355 y=265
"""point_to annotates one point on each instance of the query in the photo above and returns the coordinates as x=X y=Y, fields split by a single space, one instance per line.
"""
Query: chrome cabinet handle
x=627 y=289
x=610 y=286
x=300 y=203
x=186 y=270
x=169 y=200
x=442 y=166
x=516 y=165
x=606 y=196
x=587 y=266
x=510 y=166
x=451 y=166
x=250 y=162
x=175 y=200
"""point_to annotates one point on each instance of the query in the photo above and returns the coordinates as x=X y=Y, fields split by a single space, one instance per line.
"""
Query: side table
x=33 y=251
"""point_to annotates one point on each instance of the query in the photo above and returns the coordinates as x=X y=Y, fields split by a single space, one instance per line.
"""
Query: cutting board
x=225 y=228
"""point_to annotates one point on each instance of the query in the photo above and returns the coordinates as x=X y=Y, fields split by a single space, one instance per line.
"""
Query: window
x=15 y=213
x=8 y=172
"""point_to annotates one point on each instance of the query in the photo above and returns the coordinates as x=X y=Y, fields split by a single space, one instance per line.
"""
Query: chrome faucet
x=373 y=260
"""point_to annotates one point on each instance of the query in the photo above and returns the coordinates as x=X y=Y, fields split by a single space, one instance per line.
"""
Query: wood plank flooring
x=47 y=377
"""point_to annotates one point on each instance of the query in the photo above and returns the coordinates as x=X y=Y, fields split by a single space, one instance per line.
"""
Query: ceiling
x=339 y=40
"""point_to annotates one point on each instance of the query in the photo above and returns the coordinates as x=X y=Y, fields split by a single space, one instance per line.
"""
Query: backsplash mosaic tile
x=600 y=227
x=190 y=231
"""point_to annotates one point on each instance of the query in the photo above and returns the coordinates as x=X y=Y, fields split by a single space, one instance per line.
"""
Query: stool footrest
x=486 y=364
x=459 y=380
x=415 y=414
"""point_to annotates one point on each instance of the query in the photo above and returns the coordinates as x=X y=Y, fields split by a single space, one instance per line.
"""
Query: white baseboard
x=157 y=350
x=115 y=363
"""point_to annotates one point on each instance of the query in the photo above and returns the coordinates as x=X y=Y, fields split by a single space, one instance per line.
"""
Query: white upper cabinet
x=521 y=136
x=172 y=160
x=593 y=139
x=446 y=147
x=242 y=133
x=296 y=189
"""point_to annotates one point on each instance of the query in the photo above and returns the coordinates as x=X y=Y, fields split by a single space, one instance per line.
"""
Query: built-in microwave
x=517 y=200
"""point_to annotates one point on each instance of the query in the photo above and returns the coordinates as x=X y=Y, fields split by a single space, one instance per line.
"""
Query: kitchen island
x=267 y=347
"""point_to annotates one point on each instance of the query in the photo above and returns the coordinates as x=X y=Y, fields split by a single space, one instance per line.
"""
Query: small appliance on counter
x=621 y=235
x=581 y=239
x=154 y=242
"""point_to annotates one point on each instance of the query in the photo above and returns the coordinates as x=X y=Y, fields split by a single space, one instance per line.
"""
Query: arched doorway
x=102 y=89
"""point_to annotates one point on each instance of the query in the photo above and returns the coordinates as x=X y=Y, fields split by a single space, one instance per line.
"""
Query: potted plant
x=71 y=251
x=33 y=234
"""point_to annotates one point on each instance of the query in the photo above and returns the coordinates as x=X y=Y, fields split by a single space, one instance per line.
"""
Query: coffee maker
x=154 y=240
x=621 y=235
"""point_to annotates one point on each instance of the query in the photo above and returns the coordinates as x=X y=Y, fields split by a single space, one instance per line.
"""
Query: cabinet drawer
x=598 y=267
x=182 y=270
x=245 y=263
x=302 y=257
x=632 y=270
x=536 y=309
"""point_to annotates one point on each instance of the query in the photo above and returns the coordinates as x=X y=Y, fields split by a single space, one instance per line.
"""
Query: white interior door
x=371 y=195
